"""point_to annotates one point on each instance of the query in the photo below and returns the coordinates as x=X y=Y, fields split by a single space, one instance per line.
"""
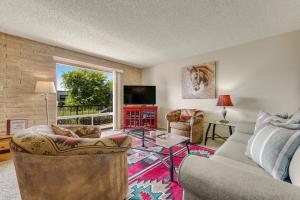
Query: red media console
x=140 y=116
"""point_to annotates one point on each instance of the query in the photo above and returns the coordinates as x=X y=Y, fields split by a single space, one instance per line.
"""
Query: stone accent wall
x=23 y=62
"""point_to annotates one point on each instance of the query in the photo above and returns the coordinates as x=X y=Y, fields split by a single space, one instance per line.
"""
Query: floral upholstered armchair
x=55 y=163
x=186 y=122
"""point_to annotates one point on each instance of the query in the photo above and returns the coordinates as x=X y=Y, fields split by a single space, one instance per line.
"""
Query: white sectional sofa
x=231 y=175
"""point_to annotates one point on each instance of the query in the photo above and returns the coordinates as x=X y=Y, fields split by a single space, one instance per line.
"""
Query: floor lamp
x=45 y=87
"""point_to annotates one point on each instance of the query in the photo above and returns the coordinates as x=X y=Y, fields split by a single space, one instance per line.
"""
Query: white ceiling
x=147 y=32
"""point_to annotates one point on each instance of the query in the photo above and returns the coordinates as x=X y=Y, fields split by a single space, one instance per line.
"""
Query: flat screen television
x=139 y=95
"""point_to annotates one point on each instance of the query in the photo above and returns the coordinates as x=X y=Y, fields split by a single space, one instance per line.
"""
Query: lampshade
x=45 y=87
x=224 y=100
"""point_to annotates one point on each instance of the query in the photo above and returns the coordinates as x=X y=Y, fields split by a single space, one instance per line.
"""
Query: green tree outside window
x=87 y=87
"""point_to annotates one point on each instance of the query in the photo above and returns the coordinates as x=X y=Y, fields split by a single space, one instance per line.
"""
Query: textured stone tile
x=22 y=63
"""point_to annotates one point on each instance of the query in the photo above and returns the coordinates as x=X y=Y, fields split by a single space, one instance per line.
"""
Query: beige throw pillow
x=63 y=131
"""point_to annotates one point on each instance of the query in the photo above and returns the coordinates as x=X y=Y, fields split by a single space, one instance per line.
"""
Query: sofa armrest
x=245 y=127
x=209 y=179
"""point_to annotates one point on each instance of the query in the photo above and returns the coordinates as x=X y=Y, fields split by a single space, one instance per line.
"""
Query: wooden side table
x=4 y=148
x=214 y=134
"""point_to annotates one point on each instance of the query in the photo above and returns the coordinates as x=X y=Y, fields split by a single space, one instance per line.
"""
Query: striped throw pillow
x=272 y=148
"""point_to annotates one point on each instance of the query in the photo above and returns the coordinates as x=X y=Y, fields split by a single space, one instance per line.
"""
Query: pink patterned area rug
x=149 y=178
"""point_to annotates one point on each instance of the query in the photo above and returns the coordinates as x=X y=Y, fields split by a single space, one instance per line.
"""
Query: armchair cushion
x=185 y=126
x=35 y=142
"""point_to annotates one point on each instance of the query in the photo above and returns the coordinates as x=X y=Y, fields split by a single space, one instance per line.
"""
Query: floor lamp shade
x=45 y=87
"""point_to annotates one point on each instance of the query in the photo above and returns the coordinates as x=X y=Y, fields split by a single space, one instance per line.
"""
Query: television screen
x=139 y=95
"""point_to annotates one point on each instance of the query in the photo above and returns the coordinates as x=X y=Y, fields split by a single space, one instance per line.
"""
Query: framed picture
x=199 y=81
x=14 y=125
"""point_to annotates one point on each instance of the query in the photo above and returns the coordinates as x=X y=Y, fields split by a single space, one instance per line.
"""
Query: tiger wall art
x=199 y=81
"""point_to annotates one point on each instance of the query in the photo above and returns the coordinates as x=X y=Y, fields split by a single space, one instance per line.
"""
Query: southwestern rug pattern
x=149 y=178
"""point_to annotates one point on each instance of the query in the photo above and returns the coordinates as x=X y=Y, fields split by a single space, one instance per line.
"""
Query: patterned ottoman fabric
x=85 y=131
x=40 y=142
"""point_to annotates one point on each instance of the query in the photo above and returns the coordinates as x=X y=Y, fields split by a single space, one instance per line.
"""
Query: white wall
x=264 y=74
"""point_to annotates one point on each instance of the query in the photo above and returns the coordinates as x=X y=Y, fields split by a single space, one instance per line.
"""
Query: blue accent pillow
x=272 y=148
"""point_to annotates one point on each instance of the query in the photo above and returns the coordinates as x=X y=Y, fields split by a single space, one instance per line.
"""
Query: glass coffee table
x=162 y=139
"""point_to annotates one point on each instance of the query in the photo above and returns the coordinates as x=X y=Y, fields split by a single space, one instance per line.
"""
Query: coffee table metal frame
x=140 y=134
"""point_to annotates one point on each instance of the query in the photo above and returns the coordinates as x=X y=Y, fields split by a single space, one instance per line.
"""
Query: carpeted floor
x=8 y=182
x=148 y=177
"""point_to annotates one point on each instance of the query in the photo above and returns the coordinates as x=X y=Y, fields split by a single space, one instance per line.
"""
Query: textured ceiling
x=147 y=32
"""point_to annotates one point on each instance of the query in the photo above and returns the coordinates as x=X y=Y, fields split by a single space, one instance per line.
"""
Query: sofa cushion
x=272 y=148
x=236 y=164
x=236 y=151
x=240 y=137
x=185 y=126
x=294 y=167
x=211 y=180
x=63 y=132
x=245 y=127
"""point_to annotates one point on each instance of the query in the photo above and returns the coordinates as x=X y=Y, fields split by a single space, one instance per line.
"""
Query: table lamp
x=224 y=100
x=45 y=87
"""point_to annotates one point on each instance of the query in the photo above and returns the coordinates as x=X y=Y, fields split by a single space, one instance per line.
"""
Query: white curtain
x=117 y=98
